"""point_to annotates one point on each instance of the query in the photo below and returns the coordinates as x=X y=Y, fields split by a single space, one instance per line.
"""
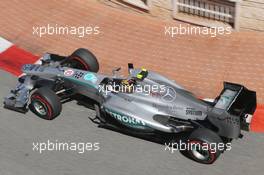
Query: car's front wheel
x=45 y=103
x=82 y=59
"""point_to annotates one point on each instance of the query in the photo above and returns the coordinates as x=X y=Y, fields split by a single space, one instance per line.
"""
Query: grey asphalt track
x=118 y=154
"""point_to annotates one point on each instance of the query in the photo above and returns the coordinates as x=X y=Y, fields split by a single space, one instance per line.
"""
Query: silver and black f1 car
x=144 y=104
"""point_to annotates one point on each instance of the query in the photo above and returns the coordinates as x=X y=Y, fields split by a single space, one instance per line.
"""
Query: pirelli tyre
x=45 y=103
x=83 y=59
x=203 y=146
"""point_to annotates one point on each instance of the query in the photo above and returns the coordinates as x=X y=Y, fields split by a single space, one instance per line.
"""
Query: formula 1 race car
x=144 y=104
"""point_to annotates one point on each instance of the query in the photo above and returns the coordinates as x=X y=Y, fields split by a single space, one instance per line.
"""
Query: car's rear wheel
x=82 y=59
x=45 y=103
x=204 y=146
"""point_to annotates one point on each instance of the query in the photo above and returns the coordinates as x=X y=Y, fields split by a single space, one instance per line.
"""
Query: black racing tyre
x=204 y=146
x=83 y=59
x=45 y=103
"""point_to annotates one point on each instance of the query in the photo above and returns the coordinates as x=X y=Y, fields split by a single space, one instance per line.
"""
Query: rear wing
x=238 y=101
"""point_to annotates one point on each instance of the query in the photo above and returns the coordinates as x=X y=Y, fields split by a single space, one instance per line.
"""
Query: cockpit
x=123 y=85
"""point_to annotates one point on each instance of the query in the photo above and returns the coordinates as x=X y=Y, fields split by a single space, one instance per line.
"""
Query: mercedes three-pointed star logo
x=169 y=95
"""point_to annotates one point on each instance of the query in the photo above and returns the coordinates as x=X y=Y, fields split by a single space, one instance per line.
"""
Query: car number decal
x=68 y=72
